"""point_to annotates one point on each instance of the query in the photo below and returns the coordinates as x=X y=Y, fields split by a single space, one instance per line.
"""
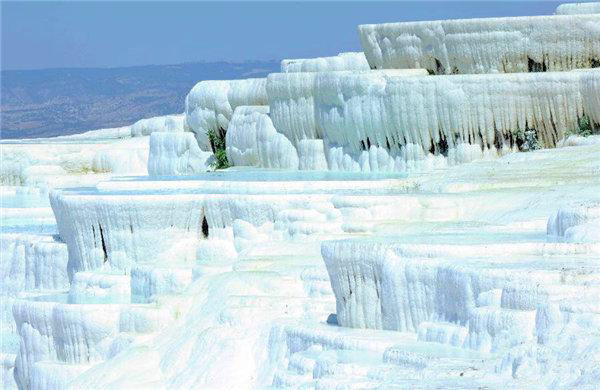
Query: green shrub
x=584 y=128
x=217 y=144
x=527 y=140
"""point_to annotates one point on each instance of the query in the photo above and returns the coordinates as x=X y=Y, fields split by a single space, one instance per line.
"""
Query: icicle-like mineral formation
x=481 y=275
x=210 y=104
x=253 y=141
x=148 y=126
x=375 y=120
x=590 y=91
x=343 y=61
x=506 y=45
x=578 y=8
x=176 y=154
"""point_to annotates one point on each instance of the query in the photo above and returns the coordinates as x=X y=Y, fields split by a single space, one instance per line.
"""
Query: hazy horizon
x=200 y=62
x=56 y=35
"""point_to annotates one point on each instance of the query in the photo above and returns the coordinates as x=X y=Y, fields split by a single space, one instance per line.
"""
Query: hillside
x=51 y=102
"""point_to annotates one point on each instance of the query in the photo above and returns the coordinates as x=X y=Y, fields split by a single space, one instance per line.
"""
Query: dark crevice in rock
x=498 y=139
x=443 y=147
x=439 y=68
x=440 y=147
x=482 y=138
x=103 y=244
x=204 y=227
x=533 y=66
x=511 y=140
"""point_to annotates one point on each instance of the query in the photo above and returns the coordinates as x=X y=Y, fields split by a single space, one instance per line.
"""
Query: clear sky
x=109 y=34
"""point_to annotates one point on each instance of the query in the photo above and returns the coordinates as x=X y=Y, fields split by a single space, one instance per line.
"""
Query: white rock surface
x=343 y=61
x=578 y=8
x=176 y=153
x=32 y=262
x=576 y=223
x=54 y=163
x=475 y=267
x=170 y=123
x=210 y=104
x=90 y=157
x=447 y=266
x=377 y=121
x=491 y=45
x=254 y=292
x=253 y=141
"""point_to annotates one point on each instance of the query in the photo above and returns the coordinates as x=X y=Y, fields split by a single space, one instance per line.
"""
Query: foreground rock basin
x=425 y=214
x=470 y=268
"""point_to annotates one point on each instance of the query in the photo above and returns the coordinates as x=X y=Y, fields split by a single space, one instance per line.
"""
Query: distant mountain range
x=52 y=102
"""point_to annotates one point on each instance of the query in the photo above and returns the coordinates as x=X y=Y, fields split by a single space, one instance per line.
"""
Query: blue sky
x=109 y=34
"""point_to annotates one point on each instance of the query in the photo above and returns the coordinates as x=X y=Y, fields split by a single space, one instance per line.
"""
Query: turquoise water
x=23 y=201
x=273 y=175
x=67 y=298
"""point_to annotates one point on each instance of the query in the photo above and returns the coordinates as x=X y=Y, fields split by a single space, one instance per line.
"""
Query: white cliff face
x=253 y=141
x=176 y=154
x=590 y=85
x=576 y=223
x=170 y=123
x=210 y=105
x=377 y=121
x=53 y=163
x=578 y=8
x=343 y=61
x=397 y=111
x=293 y=99
x=85 y=158
x=32 y=262
x=292 y=106
x=494 y=45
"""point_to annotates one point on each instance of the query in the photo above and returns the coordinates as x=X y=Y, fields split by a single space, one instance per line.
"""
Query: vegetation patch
x=527 y=140
x=217 y=144
x=584 y=128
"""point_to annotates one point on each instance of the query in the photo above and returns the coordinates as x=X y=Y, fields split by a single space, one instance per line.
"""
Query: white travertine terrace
x=176 y=154
x=474 y=109
x=343 y=61
x=210 y=104
x=578 y=8
x=32 y=262
x=380 y=121
x=457 y=292
x=83 y=158
x=494 y=45
x=576 y=223
x=293 y=107
x=291 y=99
x=171 y=123
x=253 y=141
x=66 y=161
x=590 y=91
x=378 y=229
